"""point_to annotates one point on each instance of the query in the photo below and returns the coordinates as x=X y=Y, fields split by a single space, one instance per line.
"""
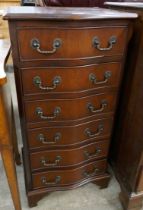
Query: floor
x=88 y=197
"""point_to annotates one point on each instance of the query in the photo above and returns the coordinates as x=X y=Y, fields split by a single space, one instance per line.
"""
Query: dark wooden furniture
x=8 y=141
x=72 y=3
x=77 y=3
x=68 y=69
x=127 y=144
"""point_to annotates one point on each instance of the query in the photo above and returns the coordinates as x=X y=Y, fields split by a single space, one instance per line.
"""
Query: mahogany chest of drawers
x=68 y=67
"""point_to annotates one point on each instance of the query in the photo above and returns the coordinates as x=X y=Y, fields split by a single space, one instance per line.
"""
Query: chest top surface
x=67 y=13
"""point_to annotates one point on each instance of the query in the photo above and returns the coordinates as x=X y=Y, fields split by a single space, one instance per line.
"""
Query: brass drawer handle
x=96 y=153
x=93 y=79
x=39 y=112
x=90 y=174
x=96 y=43
x=92 y=109
x=91 y=134
x=43 y=139
x=38 y=83
x=44 y=162
x=45 y=182
x=35 y=44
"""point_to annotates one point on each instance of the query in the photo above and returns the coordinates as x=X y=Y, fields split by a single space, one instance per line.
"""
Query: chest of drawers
x=68 y=68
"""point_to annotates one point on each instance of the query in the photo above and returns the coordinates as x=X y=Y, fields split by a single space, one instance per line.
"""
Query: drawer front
x=69 y=135
x=69 y=109
x=67 y=158
x=50 y=43
x=45 y=80
x=67 y=177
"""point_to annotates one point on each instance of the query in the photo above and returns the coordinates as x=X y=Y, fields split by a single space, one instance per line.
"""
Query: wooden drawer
x=65 y=44
x=66 y=177
x=70 y=157
x=69 y=135
x=69 y=109
x=56 y=80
